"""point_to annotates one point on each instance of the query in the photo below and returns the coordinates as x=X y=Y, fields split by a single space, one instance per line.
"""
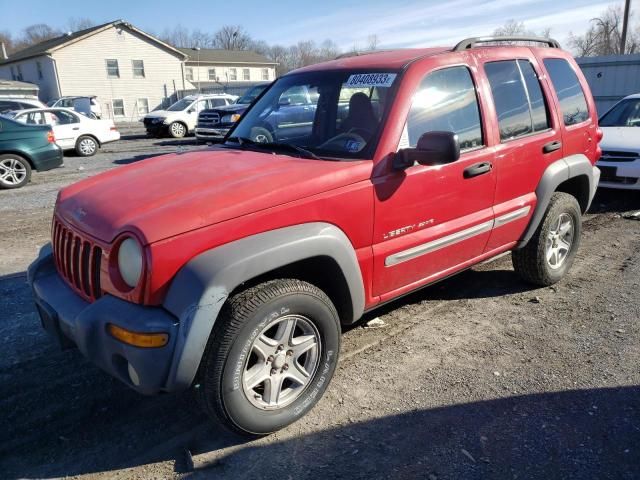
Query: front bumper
x=623 y=175
x=73 y=321
x=211 y=133
x=156 y=128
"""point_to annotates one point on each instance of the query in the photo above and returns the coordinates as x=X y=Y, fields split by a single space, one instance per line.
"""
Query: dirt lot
x=480 y=376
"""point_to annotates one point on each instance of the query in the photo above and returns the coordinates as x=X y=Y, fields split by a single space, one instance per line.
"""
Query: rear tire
x=86 y=146
x=551 y=251
x=15 y=171
x=271 y=355
x=177 y=130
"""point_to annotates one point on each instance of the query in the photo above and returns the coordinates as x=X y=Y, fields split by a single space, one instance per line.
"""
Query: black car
x=213 y=124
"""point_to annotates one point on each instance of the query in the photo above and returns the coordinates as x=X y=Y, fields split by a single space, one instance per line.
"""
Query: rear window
x=573 y=103
x=518 y=98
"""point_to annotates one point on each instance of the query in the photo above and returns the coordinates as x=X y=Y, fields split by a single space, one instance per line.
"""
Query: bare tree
x=372 y=42
x=603 y=36
x=7 y=39
x=76 y=24
x=232 y=37
x=513 y=28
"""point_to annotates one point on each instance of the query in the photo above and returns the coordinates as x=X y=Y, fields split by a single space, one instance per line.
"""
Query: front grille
x=77 y=260
x=610 y=156
x=208 y=120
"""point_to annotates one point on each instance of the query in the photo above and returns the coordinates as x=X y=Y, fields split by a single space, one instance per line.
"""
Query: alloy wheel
x=559 y=241
x=12 y=172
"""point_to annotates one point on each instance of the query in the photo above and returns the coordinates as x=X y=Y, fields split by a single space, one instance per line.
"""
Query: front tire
x=15 y=171
x=549 y=254
x=177 y=130
x=271 y=355
x=86 y=146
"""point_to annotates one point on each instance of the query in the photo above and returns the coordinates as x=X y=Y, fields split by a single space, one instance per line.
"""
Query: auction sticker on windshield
x=371 y=80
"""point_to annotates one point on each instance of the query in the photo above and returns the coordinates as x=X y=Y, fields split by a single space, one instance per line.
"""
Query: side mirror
x=433 y=148
x=191 y=110
x=284 y=101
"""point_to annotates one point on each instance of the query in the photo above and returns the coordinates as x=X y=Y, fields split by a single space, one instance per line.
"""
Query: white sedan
x=620 y=161
x=73 y=131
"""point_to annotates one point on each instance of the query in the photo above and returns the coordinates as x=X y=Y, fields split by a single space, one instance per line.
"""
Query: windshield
x=180 y=105
x=251 y=95
x=624 y=114
x=335 y=114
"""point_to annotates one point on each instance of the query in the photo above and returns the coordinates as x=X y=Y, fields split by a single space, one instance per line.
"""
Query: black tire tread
x=234 y=314
x=529 y=261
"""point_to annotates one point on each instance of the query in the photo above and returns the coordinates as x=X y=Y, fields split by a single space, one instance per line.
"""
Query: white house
x=208 y=67
x=130 y=71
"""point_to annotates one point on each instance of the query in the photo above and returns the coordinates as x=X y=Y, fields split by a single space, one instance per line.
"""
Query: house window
x=143 y=106
x=212 y=74
x=246 y=75
x=118 y=107
x=39 y=67
x=112 y=69
x=138 y=68
x=189 y=73
x=233 y=74
x=13 y=73
x=19 y=76
x=265 y=74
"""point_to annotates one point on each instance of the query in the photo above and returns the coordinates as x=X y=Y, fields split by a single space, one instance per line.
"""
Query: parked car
x=213 y=124
x=232 y=269
x=10 y=103
x=87 y=105
x=180 y=118
x=620 y=160
x=73 y=131
x=24 y=148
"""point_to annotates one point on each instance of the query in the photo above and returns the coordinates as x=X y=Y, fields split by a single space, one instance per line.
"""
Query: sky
x=396 y=23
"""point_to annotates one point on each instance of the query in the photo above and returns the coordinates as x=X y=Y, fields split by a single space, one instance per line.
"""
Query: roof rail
x=470 y=42
x=359 y=53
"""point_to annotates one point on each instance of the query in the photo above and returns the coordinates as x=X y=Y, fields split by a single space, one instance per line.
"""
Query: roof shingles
x=213 y=55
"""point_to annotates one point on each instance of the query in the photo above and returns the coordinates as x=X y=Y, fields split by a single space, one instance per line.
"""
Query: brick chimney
x=3 y=52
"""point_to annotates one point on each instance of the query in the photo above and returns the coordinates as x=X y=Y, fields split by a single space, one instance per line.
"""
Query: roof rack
x=470 y=42
x=359 y=53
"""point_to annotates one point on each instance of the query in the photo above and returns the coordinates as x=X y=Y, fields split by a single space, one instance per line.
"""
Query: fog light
x=144 y=340
x=133 y=375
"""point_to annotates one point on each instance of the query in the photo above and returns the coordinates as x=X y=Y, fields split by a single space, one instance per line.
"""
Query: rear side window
x=518 y=98
x=445 y=101
x=573 y=103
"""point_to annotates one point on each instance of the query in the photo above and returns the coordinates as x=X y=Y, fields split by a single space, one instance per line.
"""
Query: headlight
x=230 y=118
x=130 y=261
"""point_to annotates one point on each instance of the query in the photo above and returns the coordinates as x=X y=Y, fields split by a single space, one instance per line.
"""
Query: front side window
x=337 y=114
x=217 y=102
x=212 y=74
x=518 y=98
x=118 y=107
x=573 y=103
x=189 y=73
x=624 y=114
x=233 y=74
x=246 y=74
x=113 y=71
x=181 y=105
x=138 y=68
x=143 y=106
x=445 y=101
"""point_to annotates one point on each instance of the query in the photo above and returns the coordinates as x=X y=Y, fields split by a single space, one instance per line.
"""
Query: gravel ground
x=480 y=376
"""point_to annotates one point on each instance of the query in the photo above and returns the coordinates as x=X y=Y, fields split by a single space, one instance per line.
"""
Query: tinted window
x=446 y=101
x=510 y=99
x=573 y=103
x=539 y=115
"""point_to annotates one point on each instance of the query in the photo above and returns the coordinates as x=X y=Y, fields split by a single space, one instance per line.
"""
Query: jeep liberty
x=232 y=269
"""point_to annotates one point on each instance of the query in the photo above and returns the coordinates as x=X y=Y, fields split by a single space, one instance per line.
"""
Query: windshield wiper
x=303 y=152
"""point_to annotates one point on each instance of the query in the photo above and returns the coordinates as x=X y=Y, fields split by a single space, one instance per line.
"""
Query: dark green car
x=24 y=148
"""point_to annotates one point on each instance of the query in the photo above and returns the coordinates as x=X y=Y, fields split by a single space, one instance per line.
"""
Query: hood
x=160 y=114
x=621 y=139
x=164 y=196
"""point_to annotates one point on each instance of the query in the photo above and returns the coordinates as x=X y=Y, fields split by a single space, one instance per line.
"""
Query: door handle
x=552 y=146
x=76 y=128
x=477 y=169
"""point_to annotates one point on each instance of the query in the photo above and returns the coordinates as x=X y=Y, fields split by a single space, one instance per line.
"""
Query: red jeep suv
x=232 y=269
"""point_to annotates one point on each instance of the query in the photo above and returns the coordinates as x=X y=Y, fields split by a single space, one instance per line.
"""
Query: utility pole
x=197 y=49
x=625 y=24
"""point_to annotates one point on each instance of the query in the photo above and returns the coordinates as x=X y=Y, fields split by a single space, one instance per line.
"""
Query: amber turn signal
x=144 y=340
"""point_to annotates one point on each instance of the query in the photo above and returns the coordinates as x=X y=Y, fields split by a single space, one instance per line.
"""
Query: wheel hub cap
x=12 y=172
x=559 y=241
x=282 y=361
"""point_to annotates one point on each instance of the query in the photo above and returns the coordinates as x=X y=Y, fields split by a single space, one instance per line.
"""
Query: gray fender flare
x=555 y=174
x=201 y=287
